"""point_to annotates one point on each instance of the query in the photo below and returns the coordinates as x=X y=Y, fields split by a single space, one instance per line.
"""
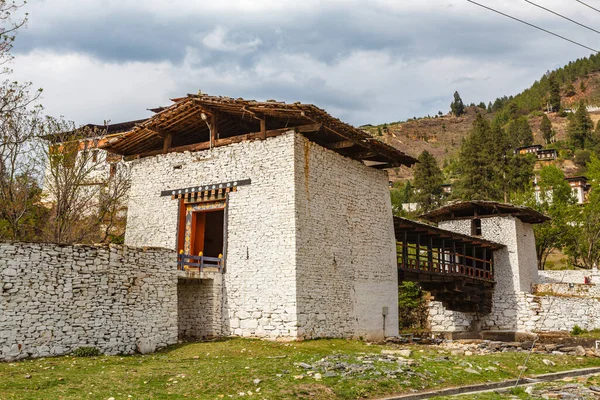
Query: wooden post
x=453 y=256
x=443 y=266
x=418 y=252
x=464 y=258
x=213 y=131
x=263 y=127
x=167 y=142
x=430 y=253
x=405 y=250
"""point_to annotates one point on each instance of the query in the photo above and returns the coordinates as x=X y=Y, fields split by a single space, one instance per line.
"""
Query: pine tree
x=428 y=182
x=519 y=133
x=457 y=106
x=554 y=89
x=546 y=128
x=478 y=164
x=580 y=127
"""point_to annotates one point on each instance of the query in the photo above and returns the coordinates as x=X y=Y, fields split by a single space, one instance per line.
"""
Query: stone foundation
x=55 y=299
x=199 y=303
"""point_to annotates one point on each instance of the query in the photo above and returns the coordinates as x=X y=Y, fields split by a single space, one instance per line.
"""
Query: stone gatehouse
x=292 y=223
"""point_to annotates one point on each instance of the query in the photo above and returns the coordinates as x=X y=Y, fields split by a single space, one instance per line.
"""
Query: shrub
x=577 y=330
x=86 y=351
x=412 y=306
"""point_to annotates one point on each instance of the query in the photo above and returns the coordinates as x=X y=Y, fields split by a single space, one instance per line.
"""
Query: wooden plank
x=342 y=144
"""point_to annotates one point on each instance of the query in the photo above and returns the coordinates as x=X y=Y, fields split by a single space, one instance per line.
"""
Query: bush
x=412 y=307
x=577 y=330
x=86 y=351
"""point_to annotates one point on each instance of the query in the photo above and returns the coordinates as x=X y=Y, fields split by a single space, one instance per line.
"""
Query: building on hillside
x=580 y=188
x=447 y=188
x=533 y=149
x=280 y=213
x=540 y=153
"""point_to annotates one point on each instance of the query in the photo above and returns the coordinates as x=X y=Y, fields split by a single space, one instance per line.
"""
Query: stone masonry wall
x=260 y=279
x=346 y=251
x=515 y=270
x=199 y=304
x=571 y=276
x=55 y=299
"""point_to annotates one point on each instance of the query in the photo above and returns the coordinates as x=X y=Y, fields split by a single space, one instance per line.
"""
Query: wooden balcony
x=198 y=267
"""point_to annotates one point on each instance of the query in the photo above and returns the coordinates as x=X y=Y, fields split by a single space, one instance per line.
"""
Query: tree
x=428 y=182
x=519 y=133
x=487 y=168
x=555 y=199
x=85 y=205
x=19 y=171
x=580 y=127
x=554 y=93
x=546 y=129
x=584 y=248
x=401 y=196
x=19 y=190
x=457 y=107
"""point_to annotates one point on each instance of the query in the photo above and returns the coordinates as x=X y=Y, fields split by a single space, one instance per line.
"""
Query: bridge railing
x=438 y=261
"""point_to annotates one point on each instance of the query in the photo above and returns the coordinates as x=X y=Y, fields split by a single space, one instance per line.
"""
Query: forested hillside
x=469 y=154
x=559 y=91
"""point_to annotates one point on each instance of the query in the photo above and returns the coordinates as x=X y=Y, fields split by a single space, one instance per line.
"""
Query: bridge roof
x=483 y=209
x=414 y=228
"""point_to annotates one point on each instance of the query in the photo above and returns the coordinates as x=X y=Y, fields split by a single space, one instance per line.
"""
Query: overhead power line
x=587 y=5
x=535 y=26
x=562 y=16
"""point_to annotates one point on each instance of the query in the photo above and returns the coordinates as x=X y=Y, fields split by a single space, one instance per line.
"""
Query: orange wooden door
x=197 y=234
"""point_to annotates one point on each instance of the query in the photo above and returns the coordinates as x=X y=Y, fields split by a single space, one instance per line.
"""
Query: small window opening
x=476 y=227
x=94 y=155
x=180 y=166
x=113 y=170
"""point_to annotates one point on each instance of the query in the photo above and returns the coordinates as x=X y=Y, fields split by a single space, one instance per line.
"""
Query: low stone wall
x=55 y=299
x=569 y=276
x=566 y=289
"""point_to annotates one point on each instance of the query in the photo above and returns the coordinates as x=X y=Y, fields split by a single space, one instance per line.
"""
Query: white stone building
x=281 y=215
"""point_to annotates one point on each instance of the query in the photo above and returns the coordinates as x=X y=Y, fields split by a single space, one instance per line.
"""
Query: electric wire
x=587 y=5
x=535 y=26
x=562 y=16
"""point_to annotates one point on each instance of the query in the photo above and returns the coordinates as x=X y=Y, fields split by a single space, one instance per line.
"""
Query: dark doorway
x=207 y=233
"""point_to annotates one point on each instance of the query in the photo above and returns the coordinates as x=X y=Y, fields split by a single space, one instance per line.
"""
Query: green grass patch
x=227 y=368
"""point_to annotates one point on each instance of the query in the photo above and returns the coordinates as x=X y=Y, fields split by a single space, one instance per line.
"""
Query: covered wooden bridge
x=456 y=269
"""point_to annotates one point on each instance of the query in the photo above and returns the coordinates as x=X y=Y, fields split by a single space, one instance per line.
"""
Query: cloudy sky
x=365 y=61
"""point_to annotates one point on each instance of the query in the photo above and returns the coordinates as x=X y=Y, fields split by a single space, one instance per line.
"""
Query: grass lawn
x=263 y=370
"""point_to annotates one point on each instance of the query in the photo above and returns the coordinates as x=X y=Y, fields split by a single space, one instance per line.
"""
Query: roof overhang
x=483 y=209
x=197 y=122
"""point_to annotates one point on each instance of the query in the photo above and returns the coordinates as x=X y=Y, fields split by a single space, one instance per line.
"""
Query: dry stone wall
x=55 y=299
x=199 y=304
x=570 y=276
x=346 y=267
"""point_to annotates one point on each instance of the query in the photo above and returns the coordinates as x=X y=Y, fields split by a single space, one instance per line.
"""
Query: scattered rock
x=471 y=371
x=549 y=362
x=305 y=365
x=256 y=381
